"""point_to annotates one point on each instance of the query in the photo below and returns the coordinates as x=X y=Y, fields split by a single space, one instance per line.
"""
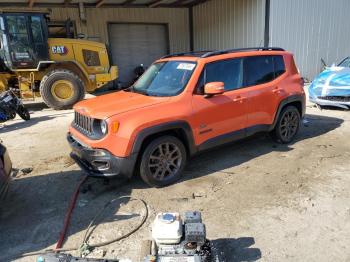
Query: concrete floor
x=261 y=201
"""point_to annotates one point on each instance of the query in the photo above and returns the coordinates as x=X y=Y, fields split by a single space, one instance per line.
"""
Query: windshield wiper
x=142 y=92
x=129 y=89
x=134 y=90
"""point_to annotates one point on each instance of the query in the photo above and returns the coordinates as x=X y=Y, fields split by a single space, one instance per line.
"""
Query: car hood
x=105 y=106
x=334 y=81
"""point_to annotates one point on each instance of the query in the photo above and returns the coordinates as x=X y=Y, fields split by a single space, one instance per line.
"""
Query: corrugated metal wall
x=98 y=18
x=312 y=30
x=220 y=24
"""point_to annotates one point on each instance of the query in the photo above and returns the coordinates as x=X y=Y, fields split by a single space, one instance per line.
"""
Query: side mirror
x=214 y=88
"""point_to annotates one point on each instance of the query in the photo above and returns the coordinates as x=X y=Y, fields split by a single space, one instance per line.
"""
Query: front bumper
x=100 y=162
x=323 y=102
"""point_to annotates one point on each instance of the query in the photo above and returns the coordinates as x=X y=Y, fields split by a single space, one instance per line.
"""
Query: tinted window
x=279 y=65
x=258 y=70
x=36 y=29
x=200 y=84
x=227 y=71
x=18 y=38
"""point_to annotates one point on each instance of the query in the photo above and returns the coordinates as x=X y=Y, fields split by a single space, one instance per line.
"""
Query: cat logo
x=62 y=50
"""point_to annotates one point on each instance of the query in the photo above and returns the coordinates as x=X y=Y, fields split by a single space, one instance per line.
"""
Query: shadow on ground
x=236 y=249
x=12 y=125
x=32 y=215
x=243 y=151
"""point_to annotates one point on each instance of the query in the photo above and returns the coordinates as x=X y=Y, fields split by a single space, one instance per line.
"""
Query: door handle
x=239 y=99
x=277 y=90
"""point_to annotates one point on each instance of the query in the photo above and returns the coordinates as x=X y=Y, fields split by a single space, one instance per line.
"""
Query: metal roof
x=102 y=3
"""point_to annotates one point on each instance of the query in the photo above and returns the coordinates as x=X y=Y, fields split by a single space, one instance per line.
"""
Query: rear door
x=262 y=78
x=220 y=118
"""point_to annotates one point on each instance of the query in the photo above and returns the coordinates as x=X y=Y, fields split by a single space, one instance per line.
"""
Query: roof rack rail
x=193 y=53
x=208 y=53
x=227 y=51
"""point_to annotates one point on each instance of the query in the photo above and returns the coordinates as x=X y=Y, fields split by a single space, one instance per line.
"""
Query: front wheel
x=61 y=89
x=163 y=161
x=23 y=113
x=287 y=125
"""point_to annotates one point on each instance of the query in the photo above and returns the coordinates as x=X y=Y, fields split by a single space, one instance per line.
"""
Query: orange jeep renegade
x=183 y=104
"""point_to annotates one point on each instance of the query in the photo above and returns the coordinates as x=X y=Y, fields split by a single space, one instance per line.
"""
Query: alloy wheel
x=165 y=161
x=289 y=125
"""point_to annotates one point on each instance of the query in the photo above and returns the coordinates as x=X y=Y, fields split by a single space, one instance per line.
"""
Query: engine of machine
x=176 y=236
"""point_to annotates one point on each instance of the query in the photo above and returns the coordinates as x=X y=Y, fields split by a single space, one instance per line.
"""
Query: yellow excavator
x=60 y=70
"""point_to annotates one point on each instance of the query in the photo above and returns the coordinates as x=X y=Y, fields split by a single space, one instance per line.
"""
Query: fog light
x=100 y=165
x=99 y=152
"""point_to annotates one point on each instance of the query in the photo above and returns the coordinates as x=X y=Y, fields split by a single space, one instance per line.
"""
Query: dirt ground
x=260 y=201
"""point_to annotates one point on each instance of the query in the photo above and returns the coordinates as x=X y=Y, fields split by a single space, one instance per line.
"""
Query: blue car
x=332 y=86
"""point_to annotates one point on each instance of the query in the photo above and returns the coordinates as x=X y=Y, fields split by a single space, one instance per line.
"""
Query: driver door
x=221 y=118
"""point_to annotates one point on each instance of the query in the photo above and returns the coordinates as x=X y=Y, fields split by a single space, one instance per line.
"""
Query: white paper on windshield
x=186 y=66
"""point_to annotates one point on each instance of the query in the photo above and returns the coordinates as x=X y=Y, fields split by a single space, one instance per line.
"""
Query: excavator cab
x=60 y=70
x=23 y=40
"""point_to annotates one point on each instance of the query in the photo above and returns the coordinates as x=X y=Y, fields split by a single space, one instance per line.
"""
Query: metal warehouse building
x=140 y=31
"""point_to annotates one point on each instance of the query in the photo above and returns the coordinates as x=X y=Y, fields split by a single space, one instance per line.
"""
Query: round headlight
x=103 y=126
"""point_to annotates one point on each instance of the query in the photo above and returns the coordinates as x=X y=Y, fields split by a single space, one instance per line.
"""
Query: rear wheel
x=61 y=89
x=23 y=113
x=163 y=161
x=287 y=125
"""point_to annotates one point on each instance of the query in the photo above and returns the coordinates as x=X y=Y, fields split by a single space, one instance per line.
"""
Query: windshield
x=165 y=78
x=345 y=62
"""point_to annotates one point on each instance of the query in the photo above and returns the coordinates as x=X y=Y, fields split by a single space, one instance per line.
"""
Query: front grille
x=83 y=123
x=336 y=98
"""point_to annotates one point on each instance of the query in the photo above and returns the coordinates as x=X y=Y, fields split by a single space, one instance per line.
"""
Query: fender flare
x=168 y=126
x=73 y=66
x=286 y=101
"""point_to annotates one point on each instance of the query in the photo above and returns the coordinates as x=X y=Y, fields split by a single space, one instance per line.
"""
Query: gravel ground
x=261 y=201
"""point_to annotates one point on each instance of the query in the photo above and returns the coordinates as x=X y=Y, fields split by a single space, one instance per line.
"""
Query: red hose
x=69 y=214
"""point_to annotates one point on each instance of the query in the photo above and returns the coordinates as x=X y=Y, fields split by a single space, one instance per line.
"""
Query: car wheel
x=287 y=125
x=163 y=161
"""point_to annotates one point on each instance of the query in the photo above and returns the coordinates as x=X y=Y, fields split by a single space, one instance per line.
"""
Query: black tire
x=23 y=113
x=46 y=86
x=287 y=125
x=12 y=115
x=172 y=158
